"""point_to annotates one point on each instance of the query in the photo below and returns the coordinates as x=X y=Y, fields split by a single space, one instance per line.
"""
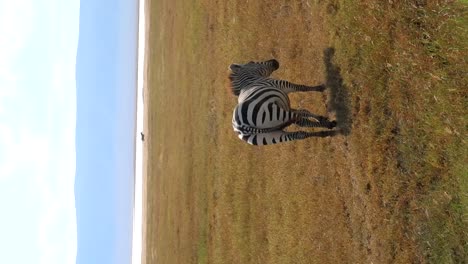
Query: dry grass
x=393 y=190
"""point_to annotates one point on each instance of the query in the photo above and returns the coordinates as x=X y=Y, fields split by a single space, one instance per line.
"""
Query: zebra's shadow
x=339 y=101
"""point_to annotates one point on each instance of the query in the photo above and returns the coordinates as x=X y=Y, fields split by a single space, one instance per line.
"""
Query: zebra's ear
x=234 y=67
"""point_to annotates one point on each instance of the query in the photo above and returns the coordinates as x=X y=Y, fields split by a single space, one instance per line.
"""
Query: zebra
x=263 y=108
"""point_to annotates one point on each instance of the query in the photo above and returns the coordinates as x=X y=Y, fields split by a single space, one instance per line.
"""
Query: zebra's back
x=261 y=108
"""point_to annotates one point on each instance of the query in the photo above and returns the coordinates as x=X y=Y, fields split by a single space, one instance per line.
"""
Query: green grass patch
x=413 y=64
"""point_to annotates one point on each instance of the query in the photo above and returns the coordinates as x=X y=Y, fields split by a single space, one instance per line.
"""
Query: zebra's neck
x=242 y=81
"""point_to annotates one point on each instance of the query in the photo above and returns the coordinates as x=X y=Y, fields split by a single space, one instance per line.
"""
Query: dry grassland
x=393 y=189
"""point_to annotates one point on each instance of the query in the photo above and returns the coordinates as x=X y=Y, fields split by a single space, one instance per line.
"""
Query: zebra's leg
x=304 y=122
x=280 y=136
x=307 y=113
x=290 y=87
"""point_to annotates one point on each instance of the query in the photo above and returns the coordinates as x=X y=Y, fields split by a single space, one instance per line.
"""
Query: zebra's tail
x=252 y=130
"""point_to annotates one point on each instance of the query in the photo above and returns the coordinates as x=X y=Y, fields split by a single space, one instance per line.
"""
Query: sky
x=106 y=78
x=67 y=130
x=37 y=127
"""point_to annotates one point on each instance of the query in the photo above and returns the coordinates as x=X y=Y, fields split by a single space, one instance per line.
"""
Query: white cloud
x=39 y=161
x=8 y=159
x=57 y=237
x=16 y=23
x=8 y=84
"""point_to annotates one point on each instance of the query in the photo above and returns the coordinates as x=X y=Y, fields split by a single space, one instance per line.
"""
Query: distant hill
x=106 y=111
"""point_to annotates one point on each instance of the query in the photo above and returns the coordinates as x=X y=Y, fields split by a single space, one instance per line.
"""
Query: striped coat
x=264 y=111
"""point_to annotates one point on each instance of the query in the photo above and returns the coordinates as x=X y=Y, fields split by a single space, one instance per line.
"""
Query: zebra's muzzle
x=274 y=63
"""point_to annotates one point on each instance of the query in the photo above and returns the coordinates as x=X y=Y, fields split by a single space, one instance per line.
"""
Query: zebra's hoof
x=331 y=124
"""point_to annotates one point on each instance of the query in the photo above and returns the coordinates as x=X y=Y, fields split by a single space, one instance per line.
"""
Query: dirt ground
x=392 y=188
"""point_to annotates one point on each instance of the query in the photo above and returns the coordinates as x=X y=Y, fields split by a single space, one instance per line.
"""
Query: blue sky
x=106 y=78
x=39 y=129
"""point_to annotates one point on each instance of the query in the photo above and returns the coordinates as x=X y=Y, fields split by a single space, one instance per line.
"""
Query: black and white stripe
x=264 y=110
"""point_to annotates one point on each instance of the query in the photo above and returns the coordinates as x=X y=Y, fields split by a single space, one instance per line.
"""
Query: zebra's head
x=242 y=75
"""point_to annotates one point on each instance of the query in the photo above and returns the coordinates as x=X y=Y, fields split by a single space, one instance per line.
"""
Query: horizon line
x=137 y=233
